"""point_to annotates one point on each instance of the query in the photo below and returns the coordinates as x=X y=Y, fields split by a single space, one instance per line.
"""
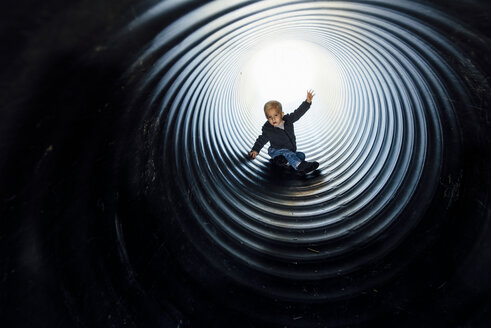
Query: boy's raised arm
x=300 y=111
x=310 y=95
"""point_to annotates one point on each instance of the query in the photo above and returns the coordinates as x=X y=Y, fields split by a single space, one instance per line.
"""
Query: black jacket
x=278 y=138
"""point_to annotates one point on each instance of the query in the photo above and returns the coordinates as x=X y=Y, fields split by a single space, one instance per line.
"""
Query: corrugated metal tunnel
x=142 y=208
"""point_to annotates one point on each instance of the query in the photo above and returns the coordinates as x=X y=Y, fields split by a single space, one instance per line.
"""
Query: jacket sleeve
x=260 y=142
x=302 y=109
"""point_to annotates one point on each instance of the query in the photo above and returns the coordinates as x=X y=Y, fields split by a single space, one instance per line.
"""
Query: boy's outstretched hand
x=253 y=154
x=310 y=95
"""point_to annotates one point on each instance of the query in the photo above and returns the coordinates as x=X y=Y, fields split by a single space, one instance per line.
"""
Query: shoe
x=280 y=161
x=307 y=167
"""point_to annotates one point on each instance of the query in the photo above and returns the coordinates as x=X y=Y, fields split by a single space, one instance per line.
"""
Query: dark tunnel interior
x=128 y=199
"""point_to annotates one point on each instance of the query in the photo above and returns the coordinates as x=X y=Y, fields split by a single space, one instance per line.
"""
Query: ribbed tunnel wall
x=160 y=219
x=386 y=140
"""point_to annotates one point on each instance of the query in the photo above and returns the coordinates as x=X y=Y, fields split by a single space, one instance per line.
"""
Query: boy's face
x=274 y=116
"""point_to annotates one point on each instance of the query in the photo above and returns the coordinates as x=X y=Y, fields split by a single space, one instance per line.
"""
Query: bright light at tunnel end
x=283 y=70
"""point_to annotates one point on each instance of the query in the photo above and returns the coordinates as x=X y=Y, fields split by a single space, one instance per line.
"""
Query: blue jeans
x=294 y=158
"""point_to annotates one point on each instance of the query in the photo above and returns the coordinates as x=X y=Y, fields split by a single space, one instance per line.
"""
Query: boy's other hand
x=310 y=95
x=253 y=154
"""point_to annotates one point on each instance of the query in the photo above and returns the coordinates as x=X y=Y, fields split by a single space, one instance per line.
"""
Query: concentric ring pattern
x=380 y=140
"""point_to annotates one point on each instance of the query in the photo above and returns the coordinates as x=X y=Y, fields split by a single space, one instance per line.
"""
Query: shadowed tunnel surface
x=128 y=199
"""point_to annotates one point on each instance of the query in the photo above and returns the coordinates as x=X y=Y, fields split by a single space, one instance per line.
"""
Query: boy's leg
x=300 y=155
x=290 y=156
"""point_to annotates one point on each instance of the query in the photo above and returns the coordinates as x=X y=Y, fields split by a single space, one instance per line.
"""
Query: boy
x=278 y=130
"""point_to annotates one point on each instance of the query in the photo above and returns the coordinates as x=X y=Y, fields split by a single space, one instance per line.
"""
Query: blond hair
x=273 y=104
